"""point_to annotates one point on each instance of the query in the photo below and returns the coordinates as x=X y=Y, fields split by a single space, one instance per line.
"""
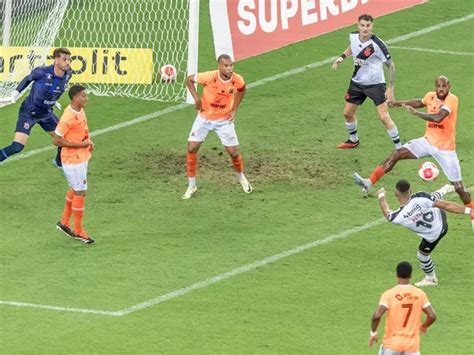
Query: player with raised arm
x=49 y=83
x=221 y=96
x=438 y=142
x=370 y=54
x=424 y=214
x=72 y=134
x=405 y=305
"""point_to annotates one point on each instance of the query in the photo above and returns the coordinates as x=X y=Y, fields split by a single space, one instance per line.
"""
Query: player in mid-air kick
x=424 y=214
x=438 y=142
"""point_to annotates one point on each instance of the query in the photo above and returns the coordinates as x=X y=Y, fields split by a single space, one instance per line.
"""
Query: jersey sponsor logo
x=359 y=62
x=414 y=210
x=436 y=125
x=89 y=65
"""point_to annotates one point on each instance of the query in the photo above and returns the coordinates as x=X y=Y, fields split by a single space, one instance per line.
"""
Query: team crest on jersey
x=49 y=76
x=368 y=51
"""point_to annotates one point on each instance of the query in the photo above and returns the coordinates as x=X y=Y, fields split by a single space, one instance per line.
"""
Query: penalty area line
x=202 y=284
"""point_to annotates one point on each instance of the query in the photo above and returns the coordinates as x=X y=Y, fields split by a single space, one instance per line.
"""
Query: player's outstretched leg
x=380 y=170
x=428 y=268
x=238 y=163
x=465 y=196
x=10 y=150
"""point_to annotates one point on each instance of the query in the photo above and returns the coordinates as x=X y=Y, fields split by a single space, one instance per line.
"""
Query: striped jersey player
x=370 y=54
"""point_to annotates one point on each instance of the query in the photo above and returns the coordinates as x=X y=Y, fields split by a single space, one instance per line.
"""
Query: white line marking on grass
x=427 y=50
x=250 y=86
x=60 y=309
x=202 y=284
x=431 y=29
x=246 y=268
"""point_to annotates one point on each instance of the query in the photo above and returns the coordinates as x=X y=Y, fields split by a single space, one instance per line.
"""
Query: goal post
x=117 y=46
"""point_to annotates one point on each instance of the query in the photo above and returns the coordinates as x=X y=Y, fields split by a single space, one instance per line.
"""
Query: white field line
x=247 y=267
x=250 y=86
x=202 y=284
x=427 y=50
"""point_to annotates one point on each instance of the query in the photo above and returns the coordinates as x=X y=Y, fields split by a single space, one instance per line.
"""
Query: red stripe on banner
x=258 y=26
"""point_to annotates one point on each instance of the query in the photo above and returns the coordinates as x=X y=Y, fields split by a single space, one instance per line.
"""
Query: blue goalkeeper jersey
x=46 y=90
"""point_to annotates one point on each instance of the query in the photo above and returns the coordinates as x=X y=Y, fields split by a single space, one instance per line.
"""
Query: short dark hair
x=58 y=51
x=223 y=56
x=74 y=90
x=366 y=17
x=402 y=186
x=404 y=270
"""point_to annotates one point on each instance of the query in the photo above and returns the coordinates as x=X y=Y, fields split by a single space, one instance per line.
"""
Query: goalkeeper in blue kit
x=49 y=83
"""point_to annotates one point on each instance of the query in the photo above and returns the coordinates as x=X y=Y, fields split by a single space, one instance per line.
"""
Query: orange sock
x=377 y=174
x=77 y=212
x=191 y=164
x=67 y=208
x=238 y=163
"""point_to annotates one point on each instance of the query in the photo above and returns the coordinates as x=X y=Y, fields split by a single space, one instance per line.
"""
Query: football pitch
x=297 y=266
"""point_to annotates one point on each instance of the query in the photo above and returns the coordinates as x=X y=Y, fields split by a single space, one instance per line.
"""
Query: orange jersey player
x=223 y=91
x=438 y=142
x=405 y=305
x=72 y=134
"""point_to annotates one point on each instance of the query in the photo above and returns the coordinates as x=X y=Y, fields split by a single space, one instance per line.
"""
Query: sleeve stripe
x=383 y=304
x=444 y=107
x=59 y=133
x=426 y=305
x=382 y=46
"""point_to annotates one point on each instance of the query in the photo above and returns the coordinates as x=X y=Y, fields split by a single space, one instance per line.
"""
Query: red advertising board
x=245 y=28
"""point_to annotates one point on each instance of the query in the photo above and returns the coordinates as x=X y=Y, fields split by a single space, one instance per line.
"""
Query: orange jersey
x=218 y=95
x=442 y=135
x=405 y=305
x=73 y=127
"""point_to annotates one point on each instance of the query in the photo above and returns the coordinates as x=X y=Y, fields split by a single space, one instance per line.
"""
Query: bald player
x=223 y=91
x=438 y=142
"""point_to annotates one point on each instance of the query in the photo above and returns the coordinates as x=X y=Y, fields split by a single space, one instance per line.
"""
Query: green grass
x=150 y=242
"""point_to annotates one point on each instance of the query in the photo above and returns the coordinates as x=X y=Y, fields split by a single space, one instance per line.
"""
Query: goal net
x=117 y=46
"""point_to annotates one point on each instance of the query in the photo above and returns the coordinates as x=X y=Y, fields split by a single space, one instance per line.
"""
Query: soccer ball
x=168 y=73
x=428 y=171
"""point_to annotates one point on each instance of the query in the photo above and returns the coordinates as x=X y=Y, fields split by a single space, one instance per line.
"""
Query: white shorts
x=385 y=351
x=447 y=159
x=224 y=129
x=76 y=176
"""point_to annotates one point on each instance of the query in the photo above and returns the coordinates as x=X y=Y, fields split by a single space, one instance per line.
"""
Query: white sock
x=393 y=133
x=352 y=129
x=426 y=265
x=240 y=175
x=191 y=181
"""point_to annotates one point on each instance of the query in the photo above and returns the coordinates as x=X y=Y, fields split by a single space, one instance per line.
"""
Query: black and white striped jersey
x=369 y=57
x=420 y=216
